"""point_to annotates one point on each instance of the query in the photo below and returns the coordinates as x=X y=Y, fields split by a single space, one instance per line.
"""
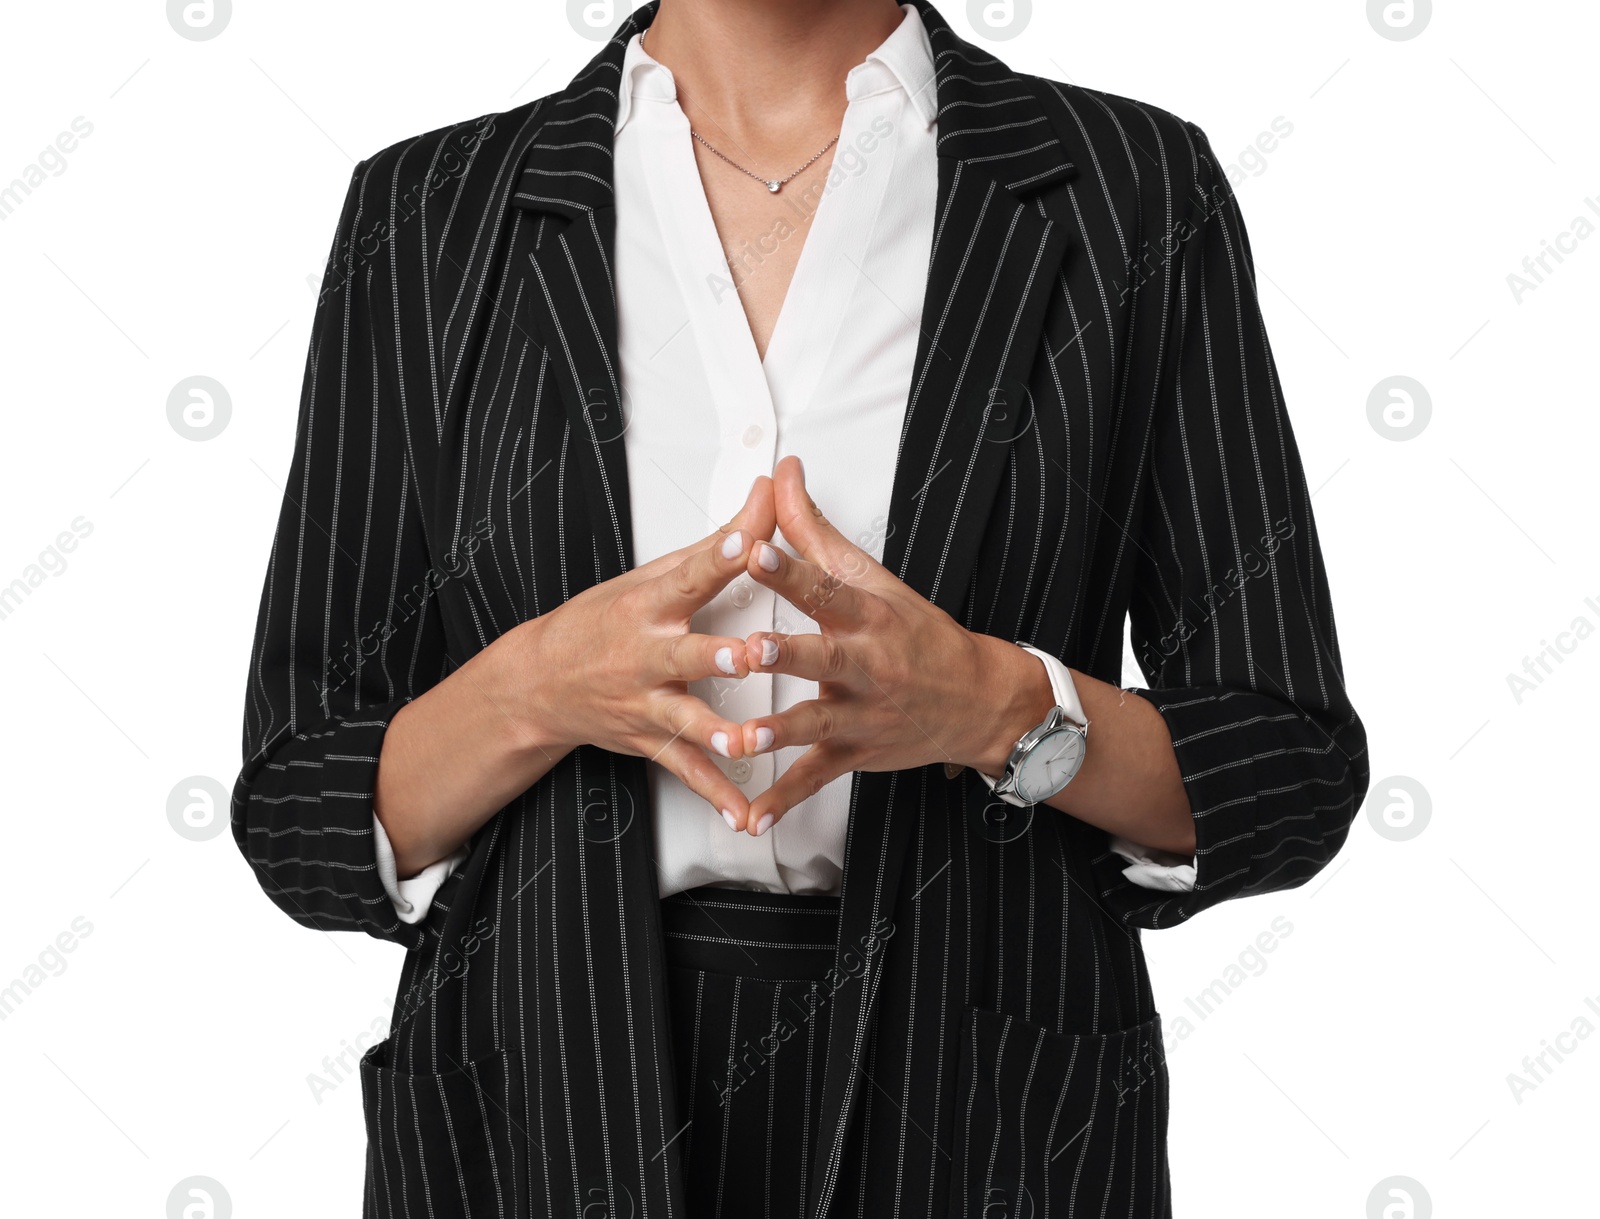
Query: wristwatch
x=1048 y=756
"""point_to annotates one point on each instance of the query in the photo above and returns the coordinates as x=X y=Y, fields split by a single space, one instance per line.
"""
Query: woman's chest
x=957 y=408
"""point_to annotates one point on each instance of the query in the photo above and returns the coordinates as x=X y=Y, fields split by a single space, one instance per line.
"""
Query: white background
x=178 y=241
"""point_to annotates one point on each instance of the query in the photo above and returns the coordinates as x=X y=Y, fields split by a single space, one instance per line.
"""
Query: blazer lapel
x=995 y=261
x=566 y=187
x=567 y=180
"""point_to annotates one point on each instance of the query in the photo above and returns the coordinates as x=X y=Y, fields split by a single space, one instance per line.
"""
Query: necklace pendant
x=774 y=186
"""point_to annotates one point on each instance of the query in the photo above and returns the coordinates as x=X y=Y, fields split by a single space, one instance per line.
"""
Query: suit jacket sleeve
x=348 y=629
x=1230 y=613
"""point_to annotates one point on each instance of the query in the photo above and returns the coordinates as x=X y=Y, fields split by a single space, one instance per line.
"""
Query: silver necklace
x=772 y=184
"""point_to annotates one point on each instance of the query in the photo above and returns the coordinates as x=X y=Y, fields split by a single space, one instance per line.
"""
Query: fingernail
x=767 y=557
x=769 y=653
x=764 y=739
x=733 y=822
x=764 y=824
x=725 y=661
x=733 y=544
x=719 y=742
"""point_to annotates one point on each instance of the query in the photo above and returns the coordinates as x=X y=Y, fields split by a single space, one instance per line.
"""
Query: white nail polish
x=733 y=822
x=732 y=545
x=719 y=742
x=769 y=651
x=767 y=556
x=764 y=824
x=764 y=739
x=725 y=661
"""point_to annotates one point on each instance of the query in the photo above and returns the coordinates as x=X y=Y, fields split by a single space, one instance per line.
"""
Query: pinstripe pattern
x=746 y=972
x=1094 y=431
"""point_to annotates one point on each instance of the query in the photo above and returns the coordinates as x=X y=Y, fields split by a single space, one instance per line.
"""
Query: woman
x=746 y=861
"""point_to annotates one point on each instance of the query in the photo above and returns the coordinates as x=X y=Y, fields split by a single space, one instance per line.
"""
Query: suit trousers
x=748 y=991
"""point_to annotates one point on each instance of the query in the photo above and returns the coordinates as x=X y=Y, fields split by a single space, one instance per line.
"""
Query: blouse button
x=740 y=771
x=742 y=594
x=752 y=436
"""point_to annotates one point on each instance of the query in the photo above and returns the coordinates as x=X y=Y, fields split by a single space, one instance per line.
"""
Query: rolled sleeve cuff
x=1152 y=869
x=413 y=896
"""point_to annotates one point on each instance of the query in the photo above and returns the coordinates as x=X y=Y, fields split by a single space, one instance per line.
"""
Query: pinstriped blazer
x=1095 y=433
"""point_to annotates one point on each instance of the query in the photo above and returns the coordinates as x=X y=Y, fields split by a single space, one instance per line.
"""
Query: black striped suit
x=1095 y=429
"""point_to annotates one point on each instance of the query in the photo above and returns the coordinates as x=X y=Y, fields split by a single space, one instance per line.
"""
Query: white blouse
x=705 y=414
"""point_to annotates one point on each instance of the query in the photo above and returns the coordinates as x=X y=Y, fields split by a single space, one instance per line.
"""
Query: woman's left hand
x=901 y=684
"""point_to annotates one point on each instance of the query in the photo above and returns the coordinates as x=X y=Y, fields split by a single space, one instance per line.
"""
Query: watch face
x=1050 y=765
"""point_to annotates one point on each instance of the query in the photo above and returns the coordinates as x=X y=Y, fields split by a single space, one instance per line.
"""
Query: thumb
x=759 y=516
x=810 y=532
x=797 y=513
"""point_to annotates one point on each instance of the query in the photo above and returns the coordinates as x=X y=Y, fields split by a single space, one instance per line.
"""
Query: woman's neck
x=767 y=75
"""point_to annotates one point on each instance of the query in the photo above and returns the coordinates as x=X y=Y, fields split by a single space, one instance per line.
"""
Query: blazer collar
x=568 y=169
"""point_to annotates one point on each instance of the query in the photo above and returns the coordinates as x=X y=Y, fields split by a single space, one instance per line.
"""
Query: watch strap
x=1061 y=683
x=1065 y=692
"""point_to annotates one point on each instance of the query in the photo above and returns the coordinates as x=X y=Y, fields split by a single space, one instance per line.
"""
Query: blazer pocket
x=439 y=1145
x=1059 y=1124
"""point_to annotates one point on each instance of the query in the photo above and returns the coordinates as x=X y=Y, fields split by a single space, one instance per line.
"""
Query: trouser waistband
x=775 y=936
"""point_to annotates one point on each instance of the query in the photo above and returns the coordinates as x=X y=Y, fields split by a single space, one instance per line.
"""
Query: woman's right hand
x=611 y=667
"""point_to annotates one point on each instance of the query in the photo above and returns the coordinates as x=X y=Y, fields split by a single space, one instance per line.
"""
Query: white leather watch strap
x=1061 y=682
x=1061 y=685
